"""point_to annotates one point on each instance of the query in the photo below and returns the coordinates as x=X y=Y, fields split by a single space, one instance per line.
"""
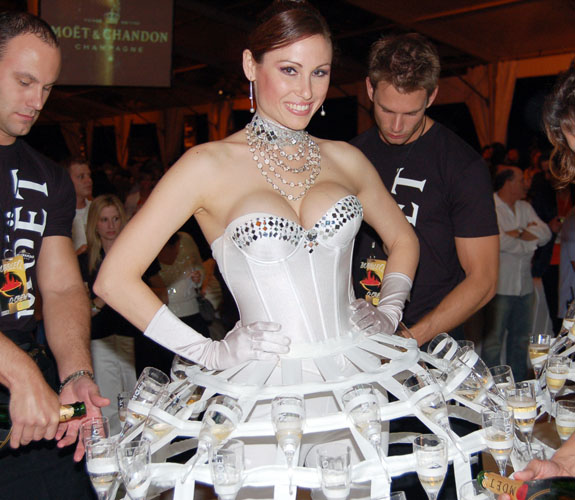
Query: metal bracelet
x=75 y=376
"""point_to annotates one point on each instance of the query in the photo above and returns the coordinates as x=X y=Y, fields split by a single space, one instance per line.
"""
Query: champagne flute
x=102 y=466
x=502 y=377
x=498 y=426
x=428 y=398
x=134 y=463
x=538 y=350
x=226 y=467
x=396 y=495
x=179 y=366
x=470 y=358
x=151 y=383
x=464 y=382
x=431 y=457
x=220 y=420
x=333 y=462
x=521 y=399
x=157 y=425
x=288 y=414
x=472 y=490
x=565 y=419
x=360 y=403
x=95 y=429
x=123 y=399
x=443 y=346
x=556 y=374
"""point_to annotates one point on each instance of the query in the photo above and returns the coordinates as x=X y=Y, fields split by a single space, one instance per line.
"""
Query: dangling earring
x=322 y=112
x=252 y=108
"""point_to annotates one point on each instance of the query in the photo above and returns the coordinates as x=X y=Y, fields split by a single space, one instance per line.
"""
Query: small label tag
x=372 y=272
x=13 y=286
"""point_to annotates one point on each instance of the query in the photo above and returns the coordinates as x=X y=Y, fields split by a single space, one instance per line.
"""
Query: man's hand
x=514 y=233
x=82 y=389
x=34 y=410
x=539 y=469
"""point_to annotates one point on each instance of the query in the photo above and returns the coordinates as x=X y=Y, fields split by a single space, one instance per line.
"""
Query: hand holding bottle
x=34 y=407
x=514 y=489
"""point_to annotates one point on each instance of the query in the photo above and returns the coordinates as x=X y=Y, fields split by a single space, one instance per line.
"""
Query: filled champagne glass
x=334 y=465
x=123 y=399
x=556 y=375
x=158 y=423
x=498 y=426
x=565 y=419
x=538 y=350
x=227 y=467
x=102 y=466
x=431 y=457
x=489 y=395
x=288 y=414
x=220 y=420
x=521 y=399
x=361 y=406
x=134 y=464
x=428 y=398
x=151 y=383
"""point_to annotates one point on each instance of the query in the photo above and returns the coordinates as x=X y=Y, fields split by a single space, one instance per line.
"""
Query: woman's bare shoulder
x=337 y=148
x=343 y=155
x=211 y=157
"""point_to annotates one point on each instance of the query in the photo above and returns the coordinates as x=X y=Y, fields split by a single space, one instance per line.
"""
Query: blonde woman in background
x=112 y=342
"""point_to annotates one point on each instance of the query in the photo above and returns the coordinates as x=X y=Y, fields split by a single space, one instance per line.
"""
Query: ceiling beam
x=469 y=9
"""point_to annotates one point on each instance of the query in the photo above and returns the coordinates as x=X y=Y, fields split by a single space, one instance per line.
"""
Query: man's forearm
x=458 y=305
x=67 y=323
x=14 y=362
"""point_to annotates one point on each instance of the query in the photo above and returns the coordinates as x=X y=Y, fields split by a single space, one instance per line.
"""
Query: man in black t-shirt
x=37 y=206
x=441 y=184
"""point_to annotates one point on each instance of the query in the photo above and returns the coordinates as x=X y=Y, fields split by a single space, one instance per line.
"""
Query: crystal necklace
x=266 y=140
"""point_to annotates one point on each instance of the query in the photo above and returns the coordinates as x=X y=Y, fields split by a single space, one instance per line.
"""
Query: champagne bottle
x=556 y=488
x=67 y=412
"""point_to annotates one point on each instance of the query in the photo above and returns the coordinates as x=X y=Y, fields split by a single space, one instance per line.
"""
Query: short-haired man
x=37 y=200
x=441 y=184
x=81 y=176
x=511 y=310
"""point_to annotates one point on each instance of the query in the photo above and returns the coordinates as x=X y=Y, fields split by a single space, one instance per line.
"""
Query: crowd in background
x=186 y=271
x=184 y=275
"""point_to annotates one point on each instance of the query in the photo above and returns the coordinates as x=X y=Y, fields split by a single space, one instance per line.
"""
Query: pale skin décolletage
x=219 y=181
x=28 y=70
x=400 y=117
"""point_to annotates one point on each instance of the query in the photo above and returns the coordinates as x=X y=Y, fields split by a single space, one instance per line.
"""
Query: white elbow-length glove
x=260 y=340
x=384 y=318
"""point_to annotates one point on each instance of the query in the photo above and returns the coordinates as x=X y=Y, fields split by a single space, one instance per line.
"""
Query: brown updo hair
x=558 y=113
x=285 y=22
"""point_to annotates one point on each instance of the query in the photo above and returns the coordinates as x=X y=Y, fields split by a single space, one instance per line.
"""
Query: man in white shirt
x=521 y=231
x=81 y=176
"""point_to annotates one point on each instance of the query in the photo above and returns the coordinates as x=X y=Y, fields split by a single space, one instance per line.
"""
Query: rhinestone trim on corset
x=272 y=226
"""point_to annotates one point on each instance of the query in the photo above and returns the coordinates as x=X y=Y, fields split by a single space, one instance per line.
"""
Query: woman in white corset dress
x=280 y=209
